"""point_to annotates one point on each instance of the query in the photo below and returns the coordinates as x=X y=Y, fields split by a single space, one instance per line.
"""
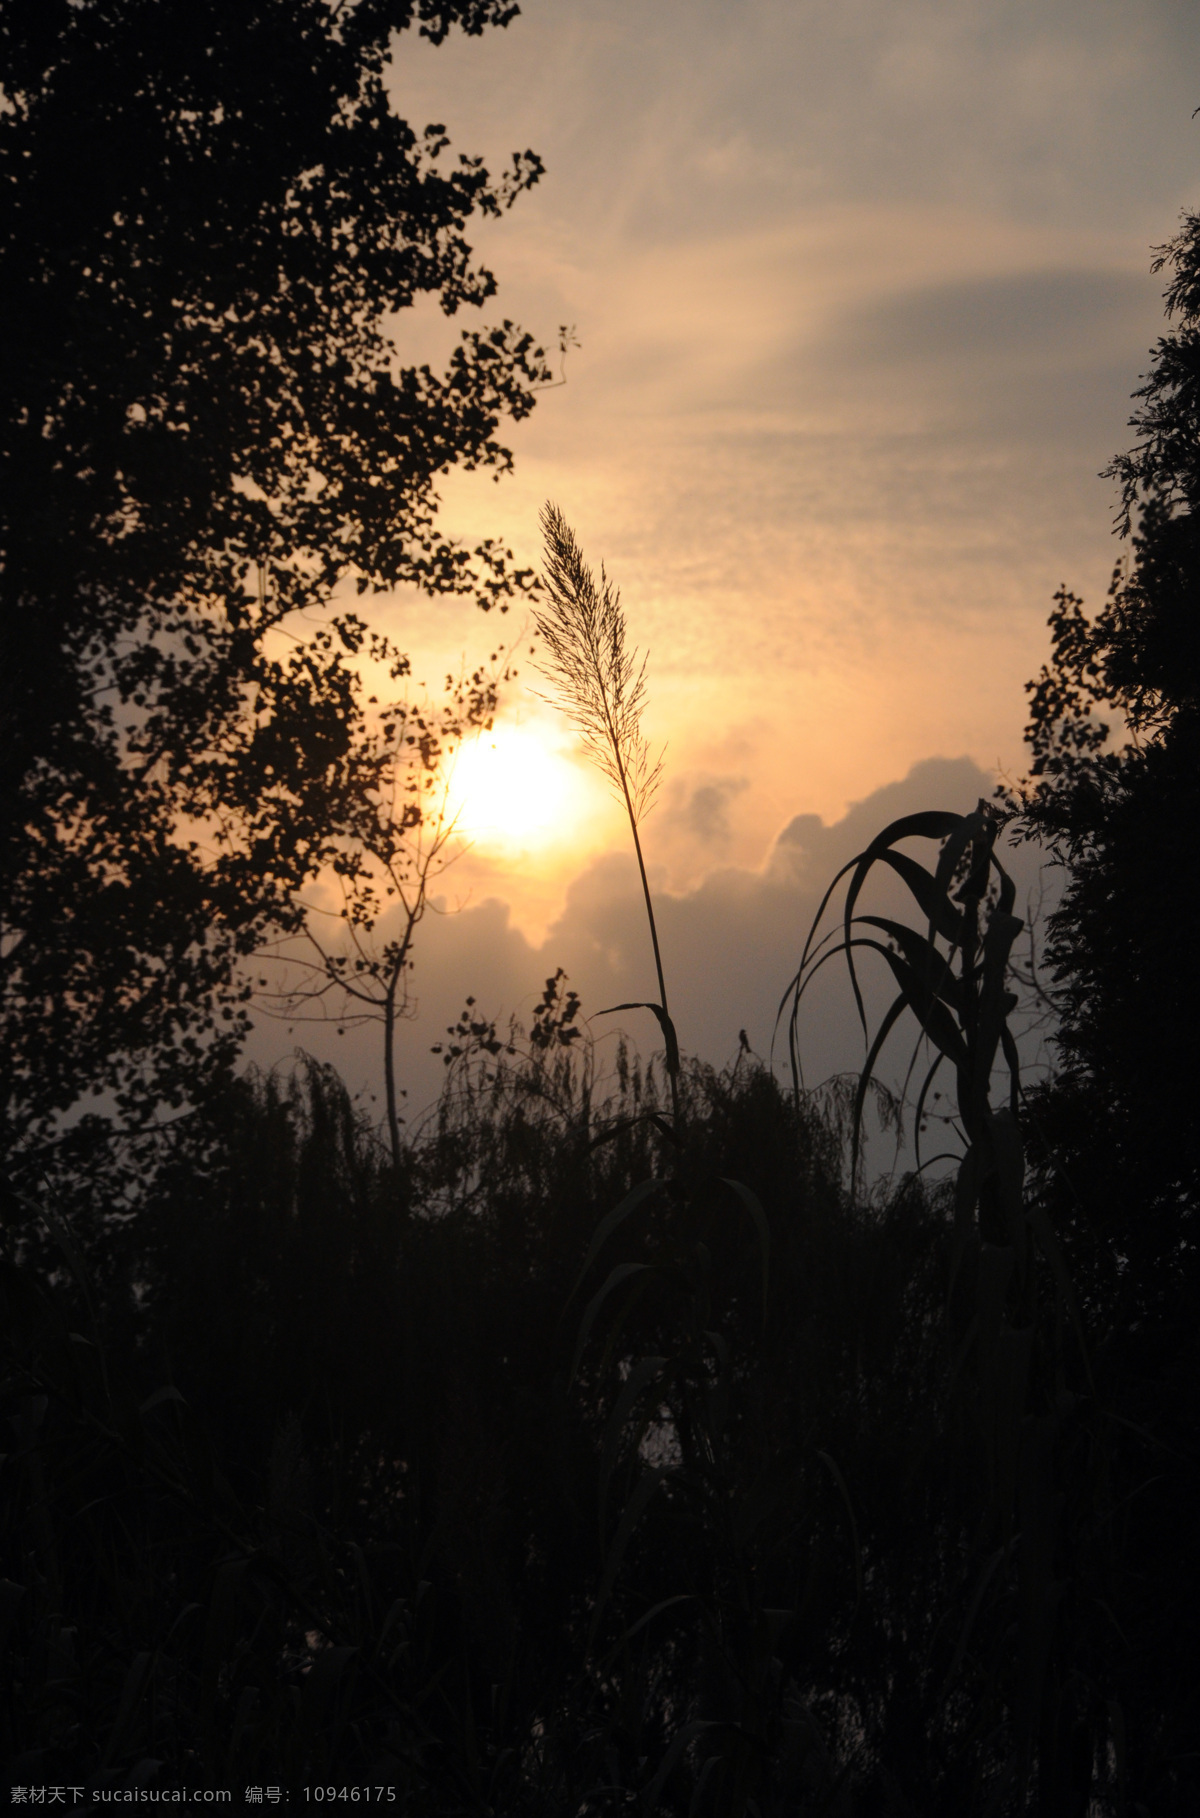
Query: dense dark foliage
x=324 y=1430
x=211 y=215
x=1115 y=1135
x=1122 y=954
x=562 y=1471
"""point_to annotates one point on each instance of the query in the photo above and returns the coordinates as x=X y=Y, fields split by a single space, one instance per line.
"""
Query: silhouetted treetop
x=211 y=212
x=1165 y=459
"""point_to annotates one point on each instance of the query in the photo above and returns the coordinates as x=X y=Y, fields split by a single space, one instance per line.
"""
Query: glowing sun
x=511 y=787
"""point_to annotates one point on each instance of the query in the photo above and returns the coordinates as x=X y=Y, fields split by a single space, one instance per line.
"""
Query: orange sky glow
x=861 y=292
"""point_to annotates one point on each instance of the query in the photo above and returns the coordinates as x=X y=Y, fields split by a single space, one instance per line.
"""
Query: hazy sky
x=862 y=290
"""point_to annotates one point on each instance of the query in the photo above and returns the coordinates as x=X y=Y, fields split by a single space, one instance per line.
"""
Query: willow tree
x=213 y=222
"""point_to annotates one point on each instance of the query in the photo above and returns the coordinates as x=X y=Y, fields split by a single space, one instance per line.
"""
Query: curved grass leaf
x=646 y=1487
x=609 y=1223
x=644 y=1621
x=670 y=1760
x=840 y=1481
x=922 y=956
x=921 y=1097
x=649 y=1370
x=931 y=824
x=753 y=1206
x=665 y=1024
x=864 y=1081
x=932 y=899
x=622 y=1272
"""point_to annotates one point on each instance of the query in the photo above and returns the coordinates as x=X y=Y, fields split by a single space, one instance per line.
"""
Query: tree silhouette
x=211 y=217
x=340 y=966
x=1122 y=819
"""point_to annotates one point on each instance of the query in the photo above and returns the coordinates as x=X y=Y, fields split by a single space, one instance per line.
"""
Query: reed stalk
x=600 y=684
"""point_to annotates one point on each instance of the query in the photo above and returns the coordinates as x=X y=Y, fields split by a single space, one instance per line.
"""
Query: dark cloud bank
x=729 y=948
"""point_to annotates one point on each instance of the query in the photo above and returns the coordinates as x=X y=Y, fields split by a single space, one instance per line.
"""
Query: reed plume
x=601 y=686
x=600 y=681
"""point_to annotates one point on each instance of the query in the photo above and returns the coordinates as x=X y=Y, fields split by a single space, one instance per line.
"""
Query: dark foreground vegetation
x=524 y=1486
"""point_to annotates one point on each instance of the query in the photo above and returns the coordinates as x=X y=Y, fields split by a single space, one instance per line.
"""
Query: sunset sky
x=861 y=291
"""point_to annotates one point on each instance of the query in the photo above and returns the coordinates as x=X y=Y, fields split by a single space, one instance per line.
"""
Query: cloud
x=696 y=815
x=706 y=816
x=729 y=948
x=1039 y=316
